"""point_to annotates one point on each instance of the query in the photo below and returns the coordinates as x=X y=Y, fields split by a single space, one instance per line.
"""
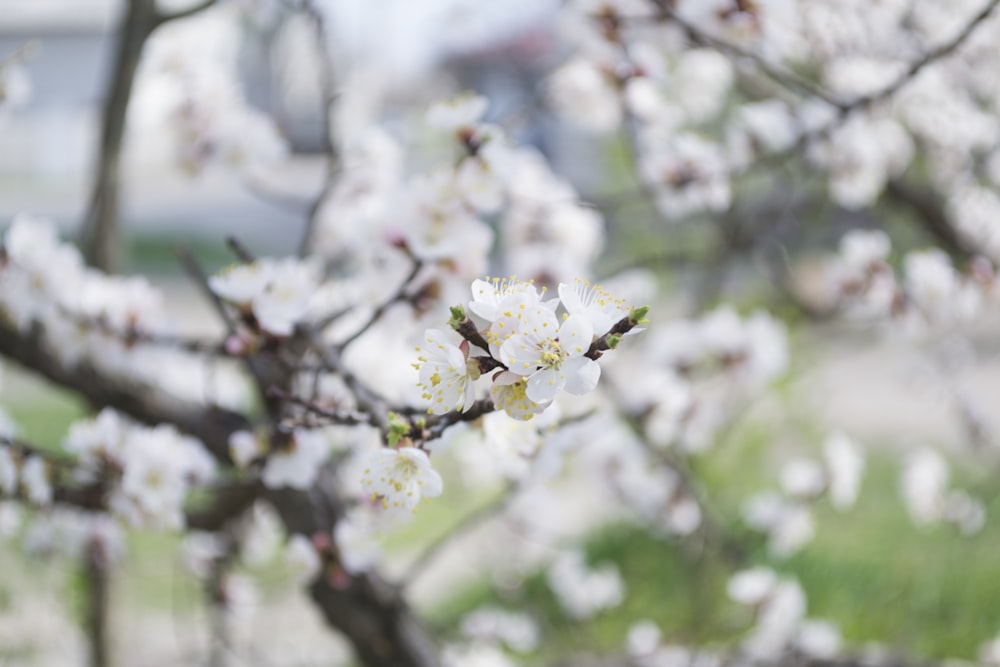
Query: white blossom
x=400 y=478
x=297 y=464
x=447 y=377
x=301 y=558
x=354 y=536
x=845 y=464
x=35 y=478
x=551 y=356
x=595 y=303
x=753 y=586
x=582 y=590
x=461 y=111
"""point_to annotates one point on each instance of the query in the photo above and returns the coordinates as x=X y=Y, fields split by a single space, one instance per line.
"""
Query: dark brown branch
x=101 y=233
x=166 y=17
x=97 y=590
x=330 y=97
x=932 y=216
x=228 y=503
x=144 y=403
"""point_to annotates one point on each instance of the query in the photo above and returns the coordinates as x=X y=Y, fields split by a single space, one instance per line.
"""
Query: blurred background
x=915 y=588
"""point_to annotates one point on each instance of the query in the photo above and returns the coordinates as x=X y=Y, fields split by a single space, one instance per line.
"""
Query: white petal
x=431 y=486
x=582 y=375
x=575 y=335
x=520 y=355
x=543 y=385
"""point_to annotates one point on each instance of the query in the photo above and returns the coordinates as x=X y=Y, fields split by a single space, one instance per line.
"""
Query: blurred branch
x=930 y=57
x=101 y=235
x=330 y=97
x=219 y=598
x=97 y=590
x=150 y=405
x=931 y=215
x=781 y=75
x=397 y=297
x=166 y=17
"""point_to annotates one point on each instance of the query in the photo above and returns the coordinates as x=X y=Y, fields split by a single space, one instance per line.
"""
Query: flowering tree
x=342 y=376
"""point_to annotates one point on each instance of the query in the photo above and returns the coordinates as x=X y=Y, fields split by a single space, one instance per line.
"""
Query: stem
x=101 y=234
x=97 y=590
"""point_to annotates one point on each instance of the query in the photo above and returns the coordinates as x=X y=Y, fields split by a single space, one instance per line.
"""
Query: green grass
x=928 y=592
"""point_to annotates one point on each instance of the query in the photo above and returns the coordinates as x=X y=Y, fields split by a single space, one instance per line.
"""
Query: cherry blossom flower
x=297 y=464
x=593 y=302
x=495 y=297
x=301 y=557
x=354 y=536
x=753 y=586
x=509 y=392
x=8 y=472
x=400 y=478
x=461 y=111
x=551 y=356
x=845 y=464
x=585 y=93
x=447 y=378
x=35 y=478
x=582 y=590
x=286 y=299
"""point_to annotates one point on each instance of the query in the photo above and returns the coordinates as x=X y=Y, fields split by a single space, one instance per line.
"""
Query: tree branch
x=932 y=216
x=331 y=146
x=101 y=234
x=144 y=403
x=166 y=17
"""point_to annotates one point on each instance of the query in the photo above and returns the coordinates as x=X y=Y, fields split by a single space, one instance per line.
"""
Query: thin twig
x=781 y=75
x=397 y=297
x=335 y=416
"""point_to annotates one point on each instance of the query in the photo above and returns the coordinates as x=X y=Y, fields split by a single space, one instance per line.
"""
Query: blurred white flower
x=460 y=112
x=301 y=558
x=399 y=478
x=845 y=464
x=586 y=94
x=924 y=482
x=35 y=478
x=752 y=587
x=297 y=464
x=584 y=591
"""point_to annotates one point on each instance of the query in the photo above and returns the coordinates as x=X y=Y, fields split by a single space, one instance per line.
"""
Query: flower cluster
x=779 y=606
x=532 y=348
x=272 y=295
x=152 y=468
x=786 y=517
x=930 y=295
x=116 y=324
x=187 y=94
